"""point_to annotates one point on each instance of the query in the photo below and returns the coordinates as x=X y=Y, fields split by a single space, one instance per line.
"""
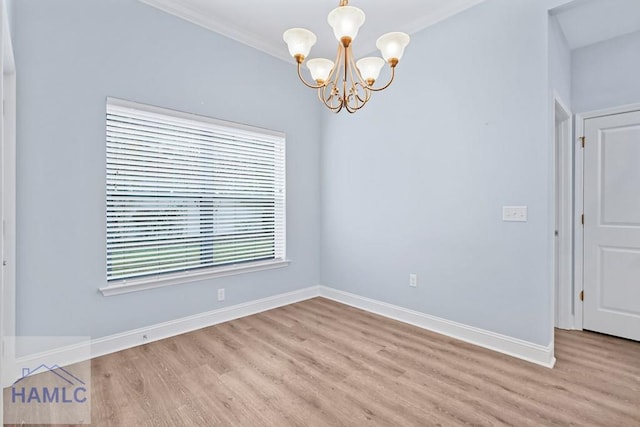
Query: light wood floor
x=322 y=363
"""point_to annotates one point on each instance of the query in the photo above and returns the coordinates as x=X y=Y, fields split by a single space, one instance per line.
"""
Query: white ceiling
x=585 y=22
x=260 y=23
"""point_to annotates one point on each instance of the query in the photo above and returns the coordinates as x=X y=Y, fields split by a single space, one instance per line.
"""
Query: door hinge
x=582 y=219
x=582 y=140
x=581 y=295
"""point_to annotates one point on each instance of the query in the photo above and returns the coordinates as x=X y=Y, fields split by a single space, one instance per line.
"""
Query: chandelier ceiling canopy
x=345 y=83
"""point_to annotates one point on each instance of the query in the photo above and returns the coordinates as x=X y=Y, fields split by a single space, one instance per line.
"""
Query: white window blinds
x=186 y=192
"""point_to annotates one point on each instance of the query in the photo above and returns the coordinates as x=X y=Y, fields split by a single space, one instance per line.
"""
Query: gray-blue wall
x=416 y=181
x=606 y=74
x=71 y=55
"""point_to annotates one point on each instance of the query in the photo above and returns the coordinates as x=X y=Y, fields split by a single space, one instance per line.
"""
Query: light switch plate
x=514 y=213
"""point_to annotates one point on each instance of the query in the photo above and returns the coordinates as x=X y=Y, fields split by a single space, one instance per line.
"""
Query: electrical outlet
x=221 y=294
x=413 y=280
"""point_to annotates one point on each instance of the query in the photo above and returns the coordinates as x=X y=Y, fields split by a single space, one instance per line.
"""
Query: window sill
x=135 y=285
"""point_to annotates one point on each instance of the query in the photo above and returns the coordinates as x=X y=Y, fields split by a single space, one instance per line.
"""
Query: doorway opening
x=563 y=216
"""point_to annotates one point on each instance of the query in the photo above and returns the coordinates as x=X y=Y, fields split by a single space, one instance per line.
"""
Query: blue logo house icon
x=70 y=389
x=50 y=394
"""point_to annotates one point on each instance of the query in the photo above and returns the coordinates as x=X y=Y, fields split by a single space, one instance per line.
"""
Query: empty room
x=320 y=212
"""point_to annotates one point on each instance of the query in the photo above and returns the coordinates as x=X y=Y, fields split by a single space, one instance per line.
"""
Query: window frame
x=161 y=279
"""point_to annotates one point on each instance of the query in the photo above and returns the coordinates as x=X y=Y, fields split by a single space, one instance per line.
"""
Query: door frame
x=7 y=199
x=563 y=218
x=578 y=271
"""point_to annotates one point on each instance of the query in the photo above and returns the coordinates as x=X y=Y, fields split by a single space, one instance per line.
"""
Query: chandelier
x=345 y=83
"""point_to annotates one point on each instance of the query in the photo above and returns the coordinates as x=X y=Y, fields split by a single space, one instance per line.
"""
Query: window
x=189 y=196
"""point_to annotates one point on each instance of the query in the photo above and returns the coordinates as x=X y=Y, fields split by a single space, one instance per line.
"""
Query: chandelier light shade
x=392 y=45
x=345 y=83
x=320 y=69
x=346 y=21
x=300 y=41
x=370 y=67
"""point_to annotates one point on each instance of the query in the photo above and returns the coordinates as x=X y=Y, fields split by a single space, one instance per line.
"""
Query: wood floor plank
x=321 y=363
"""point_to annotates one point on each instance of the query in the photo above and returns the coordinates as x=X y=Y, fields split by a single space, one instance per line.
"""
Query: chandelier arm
x=361 y=82
x=337 y=108
x=322 y=94
x=378 y=89
x=326 y=100
x=361 y=79
x=352 y=99
x=335 y=83
x=355 y=97
x=338 y=55
x=303 y=80
x=357 y=104
x=353 y=109
x=367 y=93
x=357 y=81
x=320 y=97
x=357 y=107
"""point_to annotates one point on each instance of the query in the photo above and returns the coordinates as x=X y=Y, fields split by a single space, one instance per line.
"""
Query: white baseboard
x=534 y=353
x=110 y=344
x=118 y=342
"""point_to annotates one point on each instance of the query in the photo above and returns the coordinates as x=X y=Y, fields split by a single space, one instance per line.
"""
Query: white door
x=612 y=225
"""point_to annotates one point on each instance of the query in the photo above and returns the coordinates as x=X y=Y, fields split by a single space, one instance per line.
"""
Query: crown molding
x=429 y=20
x=245 y=36
x=233 y=32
